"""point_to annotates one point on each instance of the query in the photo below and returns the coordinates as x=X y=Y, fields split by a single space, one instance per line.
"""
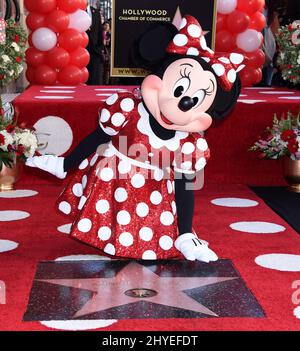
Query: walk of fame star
x=111 y=292
x=137 y=289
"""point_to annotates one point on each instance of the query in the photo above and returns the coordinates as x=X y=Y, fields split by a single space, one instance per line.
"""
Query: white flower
x=16 y=47
x=19 y=69
x=282 y=55
x=8 y=140
x=10 y=73
x=5 y=58
x=29 y=141
x=298 y=60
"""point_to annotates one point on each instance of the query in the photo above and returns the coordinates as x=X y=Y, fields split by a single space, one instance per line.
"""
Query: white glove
x=49 y=163
x=193 y=248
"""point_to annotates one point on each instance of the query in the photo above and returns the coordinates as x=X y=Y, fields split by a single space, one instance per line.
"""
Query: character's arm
x=114 y=115
x=85 y=148
x=184 y=204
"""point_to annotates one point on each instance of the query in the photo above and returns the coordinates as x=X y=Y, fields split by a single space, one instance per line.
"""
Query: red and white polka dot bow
x=190 y=40
x=3 y=26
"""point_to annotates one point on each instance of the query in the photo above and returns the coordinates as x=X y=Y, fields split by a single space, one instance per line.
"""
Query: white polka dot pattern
x=165 y=242
x=84 y=225
x=126 y=239
x=102 y=206
x=127 y=105
x=104 y=233
x=149 y=255
x=112 y=99
x=156 y=197
x=180 y=39
x=146 y=233
x=142 y=209
x=166 y=218
x=123 y=217
x=120 y=195
x=65 y=207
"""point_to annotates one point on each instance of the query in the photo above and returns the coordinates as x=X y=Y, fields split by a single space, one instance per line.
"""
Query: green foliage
x=288 y=39
x=12 y=53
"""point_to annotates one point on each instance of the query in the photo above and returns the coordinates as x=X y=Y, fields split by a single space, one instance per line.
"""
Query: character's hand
x=49 y=163
x=193 y=248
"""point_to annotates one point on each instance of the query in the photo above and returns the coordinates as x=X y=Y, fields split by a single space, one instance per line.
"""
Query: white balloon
x=80 y=20
x=44 y=39
x=226 y=6
x=249 y=40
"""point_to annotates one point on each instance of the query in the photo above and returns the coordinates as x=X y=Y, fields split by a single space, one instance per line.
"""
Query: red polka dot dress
x=122 y=199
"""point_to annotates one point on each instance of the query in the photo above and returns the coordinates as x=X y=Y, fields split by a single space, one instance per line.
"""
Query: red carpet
x=38 y=240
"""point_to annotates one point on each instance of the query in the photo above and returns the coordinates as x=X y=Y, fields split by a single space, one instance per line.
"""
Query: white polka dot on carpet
x=279 y=262
x=289 y=97
x=234 y=202
x=7 y=216
x=17 y=194
x=7 y=245
x=249 y=101
x=82 y=258
x=79 y=324
x=297 y=312
x=257 y=227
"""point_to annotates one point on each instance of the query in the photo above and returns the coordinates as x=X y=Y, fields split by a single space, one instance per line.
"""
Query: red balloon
x=250 y=6
x=69 y=5
x=221 y=21
x=30 y=39
x=30 y=5
x=259 y=5
x=256 y=59
x=35 y=20
x=44 y=75
x=83 y=4
x=237 y=21
x=85 y=40
x=58 y=58
x=58 y=21
x=79 y=57
x=257 y=75
x=34 y=57
x=70 y=75
x=257 y=21
x=70 y=39
x=45 y=6
x=30 y=74
x=225 y=41
x=246 y=77
x=84 y=75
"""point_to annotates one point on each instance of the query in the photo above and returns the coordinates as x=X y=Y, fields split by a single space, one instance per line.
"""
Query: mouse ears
x=150 y=48
x=225 y=101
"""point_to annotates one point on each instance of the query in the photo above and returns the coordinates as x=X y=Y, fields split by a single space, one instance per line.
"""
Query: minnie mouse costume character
x=130 y=198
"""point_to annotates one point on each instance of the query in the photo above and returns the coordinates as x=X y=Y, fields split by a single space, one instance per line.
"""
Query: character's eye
x=182 y=84
x=198 y=97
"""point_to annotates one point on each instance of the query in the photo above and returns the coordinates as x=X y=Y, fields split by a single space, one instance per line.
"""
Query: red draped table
x=63 y=116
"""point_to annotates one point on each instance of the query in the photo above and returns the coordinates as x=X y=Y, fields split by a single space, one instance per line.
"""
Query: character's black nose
x=186 y=103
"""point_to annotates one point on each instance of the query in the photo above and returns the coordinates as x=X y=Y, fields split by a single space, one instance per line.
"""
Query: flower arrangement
x=282 y=139
x=288 y=39
x=12 y=52
x=15 y=142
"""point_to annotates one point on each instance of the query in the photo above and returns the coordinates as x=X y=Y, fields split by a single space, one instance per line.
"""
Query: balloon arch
x=57 y=39
x=239 y=26
x=57 y=53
